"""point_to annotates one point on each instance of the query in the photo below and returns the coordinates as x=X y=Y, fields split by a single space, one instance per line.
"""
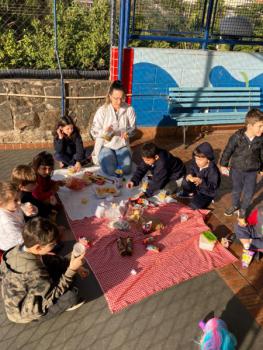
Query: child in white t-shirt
x=11 y=216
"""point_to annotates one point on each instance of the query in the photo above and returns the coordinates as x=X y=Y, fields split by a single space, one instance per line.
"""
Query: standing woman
x=113 y=124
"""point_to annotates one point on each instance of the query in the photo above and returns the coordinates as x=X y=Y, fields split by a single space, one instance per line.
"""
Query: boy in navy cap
x=202 y=182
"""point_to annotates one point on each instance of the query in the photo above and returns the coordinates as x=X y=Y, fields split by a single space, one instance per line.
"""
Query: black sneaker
x=230 y=211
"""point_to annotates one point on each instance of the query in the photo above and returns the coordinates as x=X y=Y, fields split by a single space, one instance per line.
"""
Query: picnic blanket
x=180 y=258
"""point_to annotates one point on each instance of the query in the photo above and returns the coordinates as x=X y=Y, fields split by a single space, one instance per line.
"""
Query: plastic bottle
x=119 y=175
x=78 y=249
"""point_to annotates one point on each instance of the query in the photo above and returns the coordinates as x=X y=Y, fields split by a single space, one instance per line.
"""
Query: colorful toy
x=148 y=240
x=216 y=335
x=152 y=248
x=147 y=227
x=247 y=257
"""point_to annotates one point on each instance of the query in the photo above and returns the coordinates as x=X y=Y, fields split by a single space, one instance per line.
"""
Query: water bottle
x=119 y=175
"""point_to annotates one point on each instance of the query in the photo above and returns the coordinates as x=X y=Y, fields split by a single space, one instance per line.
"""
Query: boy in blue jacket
x=202 y=182
x=167 y=171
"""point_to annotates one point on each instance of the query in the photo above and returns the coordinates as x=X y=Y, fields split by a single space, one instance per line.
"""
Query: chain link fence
x=240 y=19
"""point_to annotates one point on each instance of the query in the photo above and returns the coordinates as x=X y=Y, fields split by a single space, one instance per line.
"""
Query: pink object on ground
x=180 y=258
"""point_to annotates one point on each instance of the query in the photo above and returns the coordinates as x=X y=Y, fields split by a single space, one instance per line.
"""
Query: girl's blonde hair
x=8 y=190
x=115 y=85
x=23 y=175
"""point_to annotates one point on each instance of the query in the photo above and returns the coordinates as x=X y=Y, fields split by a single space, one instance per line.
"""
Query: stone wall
x=30 y=119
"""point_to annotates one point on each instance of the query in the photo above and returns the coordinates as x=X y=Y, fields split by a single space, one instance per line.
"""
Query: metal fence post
x=62 y=87
x=208 y=23
x=127 y=23
x=121 y=38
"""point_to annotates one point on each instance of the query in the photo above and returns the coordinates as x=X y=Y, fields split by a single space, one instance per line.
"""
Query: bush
x=83 y=38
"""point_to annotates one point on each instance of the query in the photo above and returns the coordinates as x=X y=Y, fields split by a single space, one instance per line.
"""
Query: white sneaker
x=76 y=306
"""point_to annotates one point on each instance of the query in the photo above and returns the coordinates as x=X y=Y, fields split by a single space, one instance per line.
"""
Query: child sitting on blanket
x=167 y=171
x=37 y=285
x=46 y=188
x=24 y=176
x=69 y=150
x=11 y=216
x=203 y=181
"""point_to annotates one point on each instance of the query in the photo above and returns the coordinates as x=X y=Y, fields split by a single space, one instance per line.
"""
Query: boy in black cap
x=204 y=178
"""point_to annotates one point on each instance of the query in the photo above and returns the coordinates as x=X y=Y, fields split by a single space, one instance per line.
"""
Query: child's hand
x=83 y=272
x=77 y=166
x=29 y=209
x=53 y=200
x=60 y=133
x=224 y=170
x=242 y=222
x=189 y=178
x=76 y=262
x=197 y=181
x=130 y=184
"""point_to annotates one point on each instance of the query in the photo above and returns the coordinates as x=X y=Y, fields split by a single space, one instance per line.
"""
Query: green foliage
x=83 y=37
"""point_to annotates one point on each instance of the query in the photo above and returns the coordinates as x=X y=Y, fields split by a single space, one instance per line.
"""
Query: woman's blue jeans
x=110 y=159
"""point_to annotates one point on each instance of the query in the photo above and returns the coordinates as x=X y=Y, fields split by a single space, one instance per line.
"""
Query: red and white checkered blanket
x=179 y=259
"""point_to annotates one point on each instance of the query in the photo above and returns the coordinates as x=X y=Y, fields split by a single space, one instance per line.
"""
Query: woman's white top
x=122 y=121
x=11 y=227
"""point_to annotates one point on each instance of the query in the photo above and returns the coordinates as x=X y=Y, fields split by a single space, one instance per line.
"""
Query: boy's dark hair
x=23 y=175
x=67 y=120
x=43 y=158
x=149 y=150
x=39 y=231
x=197 y=153
x=253 y=116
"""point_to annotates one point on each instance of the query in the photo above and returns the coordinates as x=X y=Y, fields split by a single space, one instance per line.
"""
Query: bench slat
x=229 y=99
x=215 y=104
x=233 y=88
x=205 y=115
x=210 y=94
x=211 y=122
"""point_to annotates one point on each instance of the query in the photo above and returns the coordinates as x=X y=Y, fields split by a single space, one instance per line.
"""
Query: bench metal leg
x=184 y=135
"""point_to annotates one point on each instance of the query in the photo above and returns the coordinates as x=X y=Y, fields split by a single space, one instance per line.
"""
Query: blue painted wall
x=155 y=70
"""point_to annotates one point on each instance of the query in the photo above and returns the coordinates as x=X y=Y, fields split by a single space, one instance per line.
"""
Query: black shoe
x=230 y=211
x=183 y=194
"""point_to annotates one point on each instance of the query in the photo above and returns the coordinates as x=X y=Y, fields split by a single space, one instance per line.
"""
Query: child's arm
x=141 y=170
x=228 y=151
x=79 y=149
x=59 y=145
x=11 y=231
x=158 y=180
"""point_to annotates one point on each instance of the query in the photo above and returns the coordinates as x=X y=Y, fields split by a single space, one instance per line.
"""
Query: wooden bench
x=211 y=105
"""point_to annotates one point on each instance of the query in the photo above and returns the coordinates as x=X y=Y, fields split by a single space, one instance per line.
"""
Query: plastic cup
x=78 y=249
x=27 y=206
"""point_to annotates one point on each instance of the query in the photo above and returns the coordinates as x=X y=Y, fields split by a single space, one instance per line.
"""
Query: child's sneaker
x=183 y=194
x=247 y=257
x=76 y=306
x=230 y=211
